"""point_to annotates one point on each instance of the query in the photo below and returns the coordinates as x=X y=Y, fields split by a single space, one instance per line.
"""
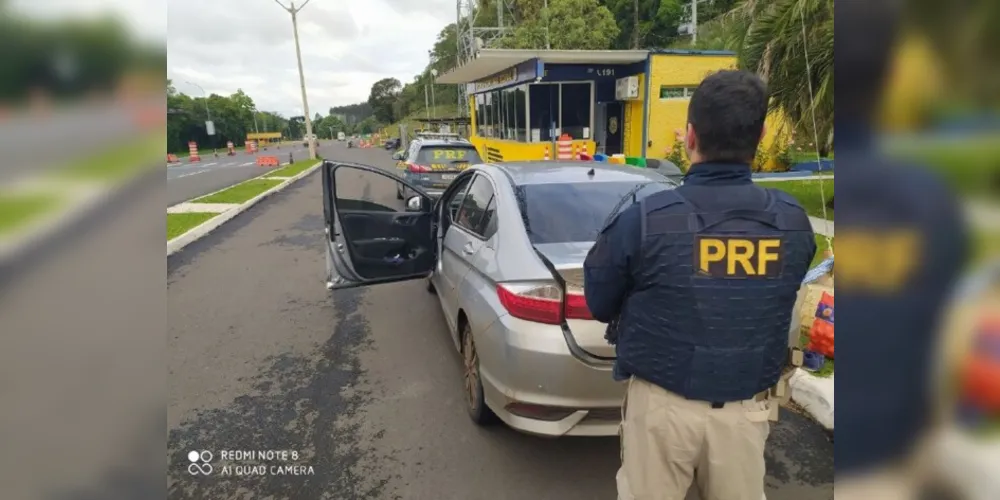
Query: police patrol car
x=432 y=161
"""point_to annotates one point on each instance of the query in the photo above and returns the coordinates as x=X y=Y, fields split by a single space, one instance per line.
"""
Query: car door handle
x=468 y=249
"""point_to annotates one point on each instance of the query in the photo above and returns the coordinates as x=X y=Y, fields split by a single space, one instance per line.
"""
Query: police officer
x=698 y=285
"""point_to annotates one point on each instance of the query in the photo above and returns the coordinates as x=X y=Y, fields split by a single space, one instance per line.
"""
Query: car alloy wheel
x=475 y=401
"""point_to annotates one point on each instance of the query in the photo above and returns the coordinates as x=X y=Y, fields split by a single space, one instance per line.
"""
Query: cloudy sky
x=223 y=45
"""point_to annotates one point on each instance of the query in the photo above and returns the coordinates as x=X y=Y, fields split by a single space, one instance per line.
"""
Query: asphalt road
x=186 y=181
x=363 y=384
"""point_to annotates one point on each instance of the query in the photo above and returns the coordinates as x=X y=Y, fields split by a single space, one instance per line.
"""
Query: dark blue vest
x=720 y=334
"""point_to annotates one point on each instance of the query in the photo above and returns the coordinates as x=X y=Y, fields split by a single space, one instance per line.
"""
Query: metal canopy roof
x=492 y=61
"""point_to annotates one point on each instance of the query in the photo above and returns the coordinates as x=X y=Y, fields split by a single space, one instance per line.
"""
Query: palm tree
x=768 y=38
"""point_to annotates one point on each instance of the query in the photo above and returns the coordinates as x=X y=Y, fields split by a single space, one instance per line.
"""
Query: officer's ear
x=690 y=140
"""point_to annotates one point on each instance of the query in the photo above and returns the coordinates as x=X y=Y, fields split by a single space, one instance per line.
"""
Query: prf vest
x=712 y=303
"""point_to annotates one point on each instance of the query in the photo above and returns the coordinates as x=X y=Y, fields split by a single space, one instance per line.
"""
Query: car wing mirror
x=417 y=204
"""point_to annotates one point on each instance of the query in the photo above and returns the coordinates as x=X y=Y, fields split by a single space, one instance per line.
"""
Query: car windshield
x=433 y=155
x=576 y=212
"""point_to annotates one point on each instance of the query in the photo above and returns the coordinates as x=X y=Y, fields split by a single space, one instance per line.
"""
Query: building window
x=676 y=92
x=575 y=110
x=520 y=113
x=481 y=114
x=543 y=115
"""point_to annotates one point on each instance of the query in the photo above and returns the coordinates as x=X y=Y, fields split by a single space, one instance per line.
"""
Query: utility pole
x=302 y=78
x=434 y=74
x=694 y=22
x=548 y=44
x=635 y=24
x=427 y=104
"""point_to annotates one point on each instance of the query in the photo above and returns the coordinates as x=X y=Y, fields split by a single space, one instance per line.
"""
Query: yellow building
x=632 y=102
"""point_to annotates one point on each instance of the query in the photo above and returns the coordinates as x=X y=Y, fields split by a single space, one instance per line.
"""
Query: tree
x=569 y=24
x=768 y=39
x=382 y=98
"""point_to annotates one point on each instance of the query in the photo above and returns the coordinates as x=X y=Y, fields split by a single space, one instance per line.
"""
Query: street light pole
x=208 y=112
x=434 y=74
x=427 y=107
x=302 y=78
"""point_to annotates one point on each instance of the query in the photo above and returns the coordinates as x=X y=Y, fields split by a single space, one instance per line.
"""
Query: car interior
x=384 y=241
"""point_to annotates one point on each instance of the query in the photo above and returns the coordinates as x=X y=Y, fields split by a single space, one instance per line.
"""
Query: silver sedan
x=503 y=249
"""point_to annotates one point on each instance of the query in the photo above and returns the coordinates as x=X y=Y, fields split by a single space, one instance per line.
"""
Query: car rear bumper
x=535 y=385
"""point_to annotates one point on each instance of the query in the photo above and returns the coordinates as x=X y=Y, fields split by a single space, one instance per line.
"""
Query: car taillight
x=576 y=305
x=540 y=303
x=543 y=303
x=419 y=169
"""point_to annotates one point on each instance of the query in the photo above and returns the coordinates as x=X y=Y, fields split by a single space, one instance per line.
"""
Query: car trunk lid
x=567 y=259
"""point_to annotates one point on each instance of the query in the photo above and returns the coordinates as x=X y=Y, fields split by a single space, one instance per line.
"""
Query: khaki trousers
x=668 y=442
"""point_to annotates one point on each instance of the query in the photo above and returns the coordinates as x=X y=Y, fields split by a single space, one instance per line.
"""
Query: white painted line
x=176 y=244
x=247 y=164
x=189 y=174
x=209 y=164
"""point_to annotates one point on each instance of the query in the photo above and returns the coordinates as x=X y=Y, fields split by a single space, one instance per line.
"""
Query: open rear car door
x=371 y=237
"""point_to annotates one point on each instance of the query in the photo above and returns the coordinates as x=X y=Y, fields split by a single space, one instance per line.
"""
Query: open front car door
x=372 y=237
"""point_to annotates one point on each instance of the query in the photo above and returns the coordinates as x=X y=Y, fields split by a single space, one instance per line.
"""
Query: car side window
x=455 y=201
x=473 y=214
x=490 y=219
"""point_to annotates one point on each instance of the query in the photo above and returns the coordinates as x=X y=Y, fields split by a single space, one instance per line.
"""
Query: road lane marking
x=247 y=164
x=190 y=174
x=209 y=164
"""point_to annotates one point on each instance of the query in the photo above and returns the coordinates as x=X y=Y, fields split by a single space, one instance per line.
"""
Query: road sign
x=210 y=127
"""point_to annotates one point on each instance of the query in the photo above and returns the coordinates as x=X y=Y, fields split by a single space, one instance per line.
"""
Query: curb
x=175 y=245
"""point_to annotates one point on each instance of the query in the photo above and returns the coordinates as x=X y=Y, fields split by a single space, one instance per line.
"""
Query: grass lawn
x=808 y=193
x=985 y=244
x=821 y=247
x=293 y=169
x=178 y=224
x=17 y=211
x=241 y=192
x=969 y=164
x=120 y=161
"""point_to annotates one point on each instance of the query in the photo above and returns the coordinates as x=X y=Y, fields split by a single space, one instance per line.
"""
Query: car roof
x=561 y=172
x=442 y=142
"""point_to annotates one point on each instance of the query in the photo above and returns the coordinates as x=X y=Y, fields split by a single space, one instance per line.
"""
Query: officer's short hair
x=727 y=112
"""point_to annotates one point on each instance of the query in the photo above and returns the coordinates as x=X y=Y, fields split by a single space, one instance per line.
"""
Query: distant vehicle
x=431 y=164
x=341 y=136
x=503 y=248
x=392 y=144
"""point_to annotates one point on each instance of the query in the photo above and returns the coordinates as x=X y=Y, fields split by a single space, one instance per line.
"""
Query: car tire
x=475 y=401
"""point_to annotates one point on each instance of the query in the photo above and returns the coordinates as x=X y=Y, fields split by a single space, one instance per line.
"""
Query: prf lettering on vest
x=721 y=256
x=878 y=260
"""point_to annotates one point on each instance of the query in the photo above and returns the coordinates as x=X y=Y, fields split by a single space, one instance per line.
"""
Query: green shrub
x=677 y=156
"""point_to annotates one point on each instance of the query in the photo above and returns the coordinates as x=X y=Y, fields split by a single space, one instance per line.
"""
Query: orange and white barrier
x=583 y=151
x=267 y=161
x=564 y=148
x=193 y=150
x=251 y=147
x=231 y=148
x=172 y=158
